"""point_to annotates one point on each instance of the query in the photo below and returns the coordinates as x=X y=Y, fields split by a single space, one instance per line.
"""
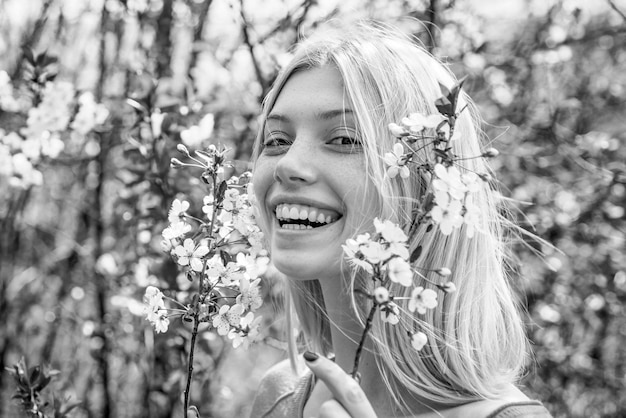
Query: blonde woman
x=324 y=132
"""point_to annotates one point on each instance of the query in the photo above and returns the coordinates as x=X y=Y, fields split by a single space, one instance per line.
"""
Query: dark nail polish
x=309 y=356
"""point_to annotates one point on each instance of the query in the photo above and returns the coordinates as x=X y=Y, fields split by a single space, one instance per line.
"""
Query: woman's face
x=310 y=178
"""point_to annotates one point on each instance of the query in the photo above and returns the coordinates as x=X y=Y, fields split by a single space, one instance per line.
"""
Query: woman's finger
x=343 y=387
x=332 y=409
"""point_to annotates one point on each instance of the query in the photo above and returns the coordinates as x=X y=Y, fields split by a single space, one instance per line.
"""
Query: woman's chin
x=303 y=270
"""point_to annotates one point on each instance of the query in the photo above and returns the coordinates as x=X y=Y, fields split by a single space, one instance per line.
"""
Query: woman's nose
x=297 y=165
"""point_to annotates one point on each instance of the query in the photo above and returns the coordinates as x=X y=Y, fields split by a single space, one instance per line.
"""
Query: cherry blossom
x=374 y=252
x=449 y=181
x=176 y=230
x=448 y=216
x=250 y=296
x=226 y=317
x=395 y=237
x=216 y=272
x=416 y=122
x=381 y=294
x=396 y=160
x=422 y=299
x=418 y=340
x=352 y=249
x=191 y=255
x=400 y=271
x=177 y=211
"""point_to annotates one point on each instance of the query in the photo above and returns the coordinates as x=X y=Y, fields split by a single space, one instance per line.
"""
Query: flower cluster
x=424 y=146
x=47 y=122
x=385 y=256
x=220 y=250
x=449 y=199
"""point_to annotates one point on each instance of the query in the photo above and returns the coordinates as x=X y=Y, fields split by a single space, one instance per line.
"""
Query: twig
x=614 y=7
x=368 y=326
x=198 y=31
x=289 y=21
x=246 y=40
x=431 y=19
x=192 y=346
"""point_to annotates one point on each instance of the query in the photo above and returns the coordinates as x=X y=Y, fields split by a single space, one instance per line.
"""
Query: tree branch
x=615 y=8
x=246 y=40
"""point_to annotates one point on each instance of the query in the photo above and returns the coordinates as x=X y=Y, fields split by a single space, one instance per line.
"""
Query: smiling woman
x=320 y=180
x=310 y=175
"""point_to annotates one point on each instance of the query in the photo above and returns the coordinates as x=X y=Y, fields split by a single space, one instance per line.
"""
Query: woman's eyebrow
x=325 y=115
x=330 y=114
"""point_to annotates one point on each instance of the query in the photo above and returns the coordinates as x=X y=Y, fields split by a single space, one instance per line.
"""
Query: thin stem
x=368 y=326
x=192 y=346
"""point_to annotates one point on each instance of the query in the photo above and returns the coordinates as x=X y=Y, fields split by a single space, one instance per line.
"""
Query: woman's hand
x=349 y=400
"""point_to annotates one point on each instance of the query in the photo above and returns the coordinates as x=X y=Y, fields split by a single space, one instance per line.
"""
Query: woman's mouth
x=294 y=216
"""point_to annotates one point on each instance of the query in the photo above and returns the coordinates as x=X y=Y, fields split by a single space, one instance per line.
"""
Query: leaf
x=226 y=257
x=49 y=60
x=29 y=56
x=416 y=254
x=221 y=190
x=43 y=383
x=35 y=374
x=446 y=105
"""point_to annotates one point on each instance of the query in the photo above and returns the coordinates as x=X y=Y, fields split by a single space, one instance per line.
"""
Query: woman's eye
x=274 y=140
x=344 y=140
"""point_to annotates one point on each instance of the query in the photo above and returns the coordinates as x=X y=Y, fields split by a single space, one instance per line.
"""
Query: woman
x=320 y=180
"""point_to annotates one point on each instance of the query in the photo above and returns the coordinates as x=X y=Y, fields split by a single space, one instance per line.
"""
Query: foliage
x=30 y=383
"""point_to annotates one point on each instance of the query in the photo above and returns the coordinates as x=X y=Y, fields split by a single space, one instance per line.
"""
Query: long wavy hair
x=476 y=339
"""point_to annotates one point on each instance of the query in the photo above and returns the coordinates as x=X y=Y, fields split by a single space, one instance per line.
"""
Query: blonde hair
x=476 y=340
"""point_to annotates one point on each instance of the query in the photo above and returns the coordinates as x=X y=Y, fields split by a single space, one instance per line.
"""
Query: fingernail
x=309 y=356
x=357 y=377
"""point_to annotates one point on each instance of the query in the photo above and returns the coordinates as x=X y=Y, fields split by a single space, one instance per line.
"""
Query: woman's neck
x=346 y=331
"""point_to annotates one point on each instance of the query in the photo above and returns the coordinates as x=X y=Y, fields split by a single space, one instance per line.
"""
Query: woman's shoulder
x=513 y=404
x=278 y=390
x=527 y=409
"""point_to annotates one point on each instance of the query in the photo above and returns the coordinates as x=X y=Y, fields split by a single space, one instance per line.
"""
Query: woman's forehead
x=318 y=92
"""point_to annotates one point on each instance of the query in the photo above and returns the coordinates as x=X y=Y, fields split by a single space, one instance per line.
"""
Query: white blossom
x=396 y=160
x=400 y=271
x=418 y=340
x=422 y=300
x=191 y=255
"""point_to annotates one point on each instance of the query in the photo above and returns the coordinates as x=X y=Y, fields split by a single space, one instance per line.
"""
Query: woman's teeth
x=292 y=216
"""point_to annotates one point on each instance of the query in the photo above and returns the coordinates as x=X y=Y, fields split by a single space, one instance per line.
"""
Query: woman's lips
x=298 y=216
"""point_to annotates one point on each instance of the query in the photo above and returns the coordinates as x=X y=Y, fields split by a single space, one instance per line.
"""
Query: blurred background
x=96 y=94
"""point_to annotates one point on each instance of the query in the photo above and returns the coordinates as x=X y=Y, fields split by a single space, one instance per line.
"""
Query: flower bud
x=381 y=295
x=397 y=130
x=418 y=340
x=448 y=287
x=486 y=177
x=491 y=153
x=176 y=163
x=444 y=272
x=182 y=149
